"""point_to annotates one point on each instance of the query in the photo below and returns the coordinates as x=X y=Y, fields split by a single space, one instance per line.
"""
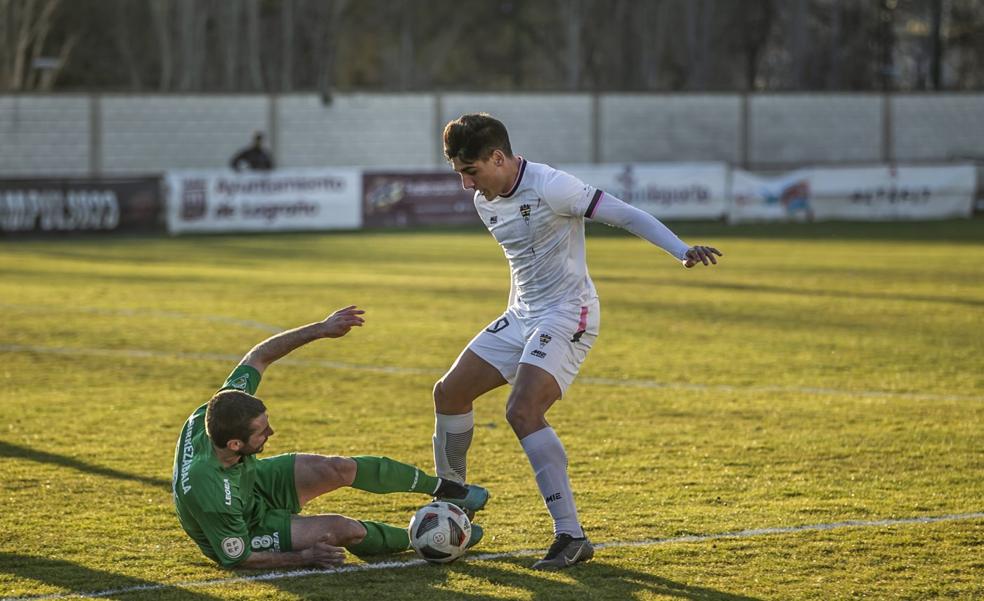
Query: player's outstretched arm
x=321 y=555
x=614 y=212
x=335 y=325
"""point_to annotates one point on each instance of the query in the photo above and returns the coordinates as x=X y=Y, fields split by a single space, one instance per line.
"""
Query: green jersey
x=215 y=504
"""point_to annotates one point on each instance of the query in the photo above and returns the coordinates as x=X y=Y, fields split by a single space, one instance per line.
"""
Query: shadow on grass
x=81 y=580
x=18 y=452
x=502 y=578
x=951 y=230
x=808 y=292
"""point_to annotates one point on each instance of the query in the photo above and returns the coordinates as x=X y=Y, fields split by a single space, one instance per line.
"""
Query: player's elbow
x=239 y=562
x=256 y=360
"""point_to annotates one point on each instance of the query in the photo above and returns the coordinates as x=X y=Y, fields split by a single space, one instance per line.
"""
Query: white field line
x=395 y=565
x=392 y=369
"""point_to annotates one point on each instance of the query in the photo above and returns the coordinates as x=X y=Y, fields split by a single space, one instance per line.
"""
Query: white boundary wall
x=117 y=134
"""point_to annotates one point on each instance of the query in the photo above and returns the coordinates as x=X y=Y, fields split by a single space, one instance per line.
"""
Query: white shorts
x=557 y=342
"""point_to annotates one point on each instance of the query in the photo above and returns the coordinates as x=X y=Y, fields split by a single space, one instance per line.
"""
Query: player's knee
x=349 y=532
x=439 y=396
x=340 y=531
x=340 y=471
x=446 y=399
x=522 y=417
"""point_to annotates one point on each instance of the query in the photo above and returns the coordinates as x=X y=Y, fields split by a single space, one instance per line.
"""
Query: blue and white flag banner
x=878 y=193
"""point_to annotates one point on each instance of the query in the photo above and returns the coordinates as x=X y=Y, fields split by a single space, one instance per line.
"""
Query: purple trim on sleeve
x=594 y=203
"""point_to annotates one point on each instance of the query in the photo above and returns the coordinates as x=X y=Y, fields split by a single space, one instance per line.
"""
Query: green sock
x=381 y=539
x=383 y=475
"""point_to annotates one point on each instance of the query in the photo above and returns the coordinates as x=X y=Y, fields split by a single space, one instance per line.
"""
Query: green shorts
x=275 y=501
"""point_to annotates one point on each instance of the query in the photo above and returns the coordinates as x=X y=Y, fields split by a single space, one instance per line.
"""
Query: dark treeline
x=483 y=45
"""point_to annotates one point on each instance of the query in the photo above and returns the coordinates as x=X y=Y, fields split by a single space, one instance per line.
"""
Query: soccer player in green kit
x=243 y=511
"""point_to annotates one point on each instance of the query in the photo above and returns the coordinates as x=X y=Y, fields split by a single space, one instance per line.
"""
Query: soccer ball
x=439 y=532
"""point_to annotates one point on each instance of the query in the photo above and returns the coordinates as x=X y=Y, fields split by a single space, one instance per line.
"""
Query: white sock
x=452 y=437
x=549 y=460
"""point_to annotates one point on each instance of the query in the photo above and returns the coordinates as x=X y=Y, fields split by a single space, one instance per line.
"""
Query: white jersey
x=539 y=224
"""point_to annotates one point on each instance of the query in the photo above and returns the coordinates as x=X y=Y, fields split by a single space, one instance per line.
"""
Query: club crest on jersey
x=240 y=383
x=493 y=220
x=545 y=340
x=525 y=211
x=233 y=546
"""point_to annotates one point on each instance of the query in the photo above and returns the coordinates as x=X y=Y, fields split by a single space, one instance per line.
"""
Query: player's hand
x=323 y=555
x=340 y=322
x=700 y=254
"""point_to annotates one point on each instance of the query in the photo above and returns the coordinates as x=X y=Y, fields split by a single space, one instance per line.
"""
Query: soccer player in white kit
x=537 y=214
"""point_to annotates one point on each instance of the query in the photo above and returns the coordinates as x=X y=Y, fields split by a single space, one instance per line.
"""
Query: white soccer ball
x=439 y=532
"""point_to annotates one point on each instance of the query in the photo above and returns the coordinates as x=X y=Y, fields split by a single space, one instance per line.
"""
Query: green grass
x=821 y=373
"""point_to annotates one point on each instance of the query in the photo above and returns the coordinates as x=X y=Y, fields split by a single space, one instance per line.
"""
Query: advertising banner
x=668 y=191
x=32 y=206
x=411 y=198
x=883 y=193
x=894 y=193
x=287 y=200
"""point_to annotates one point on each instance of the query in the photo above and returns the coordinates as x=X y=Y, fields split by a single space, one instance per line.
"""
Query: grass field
x=821 y=374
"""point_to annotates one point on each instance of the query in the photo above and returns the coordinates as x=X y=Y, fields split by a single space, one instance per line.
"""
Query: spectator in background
x=254 y=157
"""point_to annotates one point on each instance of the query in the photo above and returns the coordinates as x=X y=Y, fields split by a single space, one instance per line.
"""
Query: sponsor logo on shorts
x=538 y=353
x=545 y=340
x=266 y=542
x=228 y=491
x=498 y=326
x=493 y=220
x=577 y=336
x=233 y=546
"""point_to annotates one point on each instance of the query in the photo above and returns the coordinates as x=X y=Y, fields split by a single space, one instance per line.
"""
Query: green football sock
x=384 y=475
x=381 y=539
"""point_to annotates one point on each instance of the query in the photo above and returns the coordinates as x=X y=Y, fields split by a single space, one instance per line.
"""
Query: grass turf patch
x=821 y=373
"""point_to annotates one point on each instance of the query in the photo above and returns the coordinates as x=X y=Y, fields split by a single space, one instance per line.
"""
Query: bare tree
x=161 y=16
x=936 y=43
x=24 y=37
x=122 y=22
x=254 y=45
x=193 y=18
x=230 y=35
x=287 y=45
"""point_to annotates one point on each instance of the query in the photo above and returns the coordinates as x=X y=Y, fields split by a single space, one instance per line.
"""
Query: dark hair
x=473 y=137
x=229 y=415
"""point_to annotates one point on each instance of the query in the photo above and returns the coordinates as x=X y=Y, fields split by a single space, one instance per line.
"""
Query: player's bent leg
x=533 y=393
x=454 y=424
x=469 y=378
x=315 y=475
x=337 y=530
x=380 y=539
x=361 y=538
